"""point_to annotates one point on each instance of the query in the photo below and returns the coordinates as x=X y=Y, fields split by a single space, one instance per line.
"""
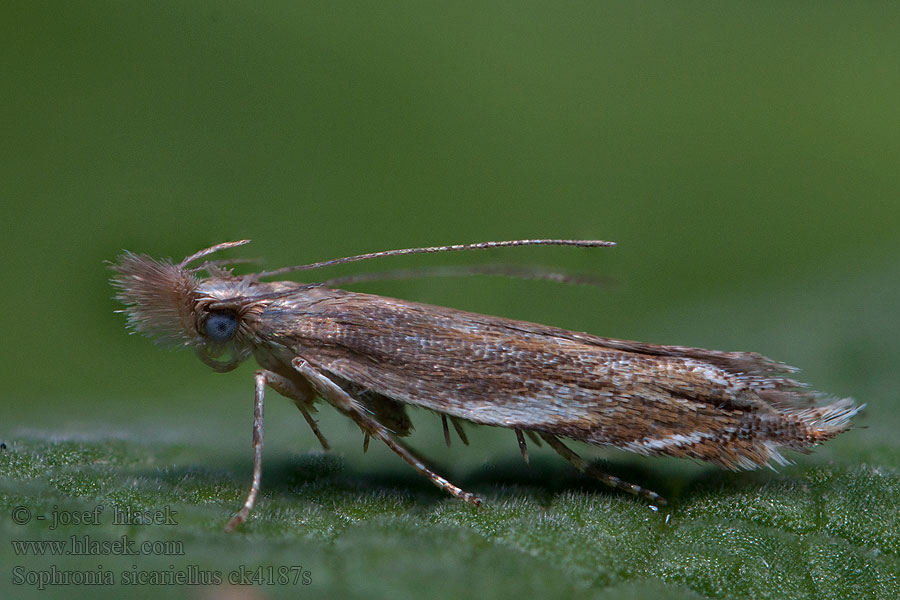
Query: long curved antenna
x=210 y=250
x=432 y=249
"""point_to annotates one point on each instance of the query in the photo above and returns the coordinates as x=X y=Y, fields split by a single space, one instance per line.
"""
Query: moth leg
x=457 y=425
x=610 y=480
x=341 y=400
x=289 y=389
x=522 y=447
x=315 y=427
x=446 y=430
x=242 y=514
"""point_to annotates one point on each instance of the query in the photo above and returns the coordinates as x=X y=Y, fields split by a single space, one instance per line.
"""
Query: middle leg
x=341 y=400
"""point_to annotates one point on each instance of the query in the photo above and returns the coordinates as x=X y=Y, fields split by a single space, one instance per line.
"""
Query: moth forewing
x=370 y=357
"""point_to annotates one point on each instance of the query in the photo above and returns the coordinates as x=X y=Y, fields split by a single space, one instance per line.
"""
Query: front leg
x=341 y=400
x=285 y=387
x=257 y=443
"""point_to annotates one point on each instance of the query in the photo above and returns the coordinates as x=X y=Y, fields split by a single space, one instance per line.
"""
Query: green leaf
x=359 y=527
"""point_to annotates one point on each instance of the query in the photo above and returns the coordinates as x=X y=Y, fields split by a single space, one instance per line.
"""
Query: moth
x=371 y=357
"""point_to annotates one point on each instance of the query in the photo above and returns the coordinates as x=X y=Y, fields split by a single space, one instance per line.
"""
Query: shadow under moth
x=370 y=356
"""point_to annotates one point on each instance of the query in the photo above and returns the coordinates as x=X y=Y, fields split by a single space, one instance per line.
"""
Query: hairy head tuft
x=158 y=297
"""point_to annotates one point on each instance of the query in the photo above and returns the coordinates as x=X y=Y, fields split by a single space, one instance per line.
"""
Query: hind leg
x=610 y=480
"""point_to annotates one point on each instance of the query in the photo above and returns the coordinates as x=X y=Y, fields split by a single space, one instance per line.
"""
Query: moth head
x=170 y=303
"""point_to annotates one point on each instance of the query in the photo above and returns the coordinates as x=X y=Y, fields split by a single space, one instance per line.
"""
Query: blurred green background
x=744 y=156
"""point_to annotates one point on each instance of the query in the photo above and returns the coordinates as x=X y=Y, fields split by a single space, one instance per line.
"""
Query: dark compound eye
x=221 y=326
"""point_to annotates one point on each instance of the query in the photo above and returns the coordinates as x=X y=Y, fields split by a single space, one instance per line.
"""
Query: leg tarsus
x=610 y=480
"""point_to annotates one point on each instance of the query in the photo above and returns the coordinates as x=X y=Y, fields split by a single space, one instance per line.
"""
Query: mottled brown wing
x=642 y=397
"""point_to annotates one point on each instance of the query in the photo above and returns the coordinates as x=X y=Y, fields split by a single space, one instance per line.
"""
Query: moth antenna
x=522 y=446
x=365 y=443
x=224 y=262
x=223 y=246
x=534 y=438
x=424 y=250
x=527 y=272
x=446 y=430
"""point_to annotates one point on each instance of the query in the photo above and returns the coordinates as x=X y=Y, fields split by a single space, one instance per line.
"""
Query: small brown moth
x=370 y=357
